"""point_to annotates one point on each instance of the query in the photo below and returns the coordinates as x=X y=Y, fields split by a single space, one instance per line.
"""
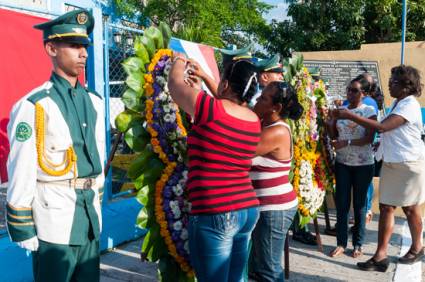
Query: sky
x=278 y=12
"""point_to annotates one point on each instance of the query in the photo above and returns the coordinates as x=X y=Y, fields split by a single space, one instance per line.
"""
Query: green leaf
x=131 y=99
x=143 y=195
x=127 y=119
x=141 y=51
x=142 y=218
x=137 y=138
x=304 y=220
x=137 y=166
x=135 y=81
x=133 y=64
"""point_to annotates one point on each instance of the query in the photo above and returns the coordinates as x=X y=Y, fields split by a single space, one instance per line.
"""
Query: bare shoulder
x=238 y=111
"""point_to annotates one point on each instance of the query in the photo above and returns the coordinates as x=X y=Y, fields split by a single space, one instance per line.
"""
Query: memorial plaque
x=338 y=74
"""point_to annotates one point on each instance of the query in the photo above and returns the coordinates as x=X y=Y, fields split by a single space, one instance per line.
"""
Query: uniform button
x=84 y=124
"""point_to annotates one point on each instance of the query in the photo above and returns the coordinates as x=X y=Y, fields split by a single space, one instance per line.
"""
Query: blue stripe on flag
x=176 y=46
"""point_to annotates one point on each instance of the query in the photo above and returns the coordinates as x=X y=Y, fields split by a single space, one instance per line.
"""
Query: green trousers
x=64 y=263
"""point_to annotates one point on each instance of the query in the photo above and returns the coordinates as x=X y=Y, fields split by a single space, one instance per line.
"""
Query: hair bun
x=296 y=111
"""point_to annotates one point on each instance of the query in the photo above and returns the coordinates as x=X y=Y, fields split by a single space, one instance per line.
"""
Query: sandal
x=338 y=251
x=357 y=252
x=411 y=257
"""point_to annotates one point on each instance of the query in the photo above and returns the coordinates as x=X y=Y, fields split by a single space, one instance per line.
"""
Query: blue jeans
x=218 y=244
x=357 y=178
x=268 y=240
x=369 y=197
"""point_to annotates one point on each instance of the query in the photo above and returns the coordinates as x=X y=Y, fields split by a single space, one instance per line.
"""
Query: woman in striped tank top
x=270 y=178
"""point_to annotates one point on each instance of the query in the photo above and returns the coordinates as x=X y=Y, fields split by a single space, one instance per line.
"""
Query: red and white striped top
x=270 y=179
x=221 y=148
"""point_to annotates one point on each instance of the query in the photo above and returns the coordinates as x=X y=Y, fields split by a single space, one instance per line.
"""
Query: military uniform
x=55 y=167
x=237 y=54
x=266 y=65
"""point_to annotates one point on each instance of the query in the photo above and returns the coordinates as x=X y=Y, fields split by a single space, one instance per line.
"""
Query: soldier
x=269 y=70
x=57 y=143
x=234 y=55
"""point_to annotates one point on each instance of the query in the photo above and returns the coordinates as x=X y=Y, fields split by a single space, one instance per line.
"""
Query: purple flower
x=167 y=193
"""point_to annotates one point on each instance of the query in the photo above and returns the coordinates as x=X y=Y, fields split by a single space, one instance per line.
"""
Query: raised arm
x=182 y=94
x=197 y=70
x=390 y=123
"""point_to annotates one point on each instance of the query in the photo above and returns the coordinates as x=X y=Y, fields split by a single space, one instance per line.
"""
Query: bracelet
x=175 y=59
x=348 y=142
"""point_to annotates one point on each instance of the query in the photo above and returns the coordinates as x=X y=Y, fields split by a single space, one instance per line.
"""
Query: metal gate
x=119 y=41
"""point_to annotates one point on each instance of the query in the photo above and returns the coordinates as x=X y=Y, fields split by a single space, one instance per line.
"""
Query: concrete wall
x=386 y=54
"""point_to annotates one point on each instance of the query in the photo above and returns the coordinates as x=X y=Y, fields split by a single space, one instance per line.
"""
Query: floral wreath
x=168 y=139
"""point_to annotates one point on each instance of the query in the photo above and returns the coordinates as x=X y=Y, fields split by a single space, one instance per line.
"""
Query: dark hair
x=286 y=95
x=365 y=85
x=242 y=79
x=409 y=78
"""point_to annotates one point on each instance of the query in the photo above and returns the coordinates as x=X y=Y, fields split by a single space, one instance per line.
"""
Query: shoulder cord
x=45 y=164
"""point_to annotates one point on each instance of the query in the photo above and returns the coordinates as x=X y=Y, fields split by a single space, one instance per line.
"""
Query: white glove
x=30 y=244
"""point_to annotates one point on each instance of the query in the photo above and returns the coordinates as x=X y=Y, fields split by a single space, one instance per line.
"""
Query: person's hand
x=30 y=244
x=194 y=82
x=196 y=69
x=338 y=144
x=179 y=56
x=341 y=114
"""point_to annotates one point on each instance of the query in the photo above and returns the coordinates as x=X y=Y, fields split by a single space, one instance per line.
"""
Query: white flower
x=178 y=190
x=186 y=246
x=162 y=96
x=182 y=181
x=160 y=80
x=169 y=118
x=166 y=108
x=178 y=225
x=167 y=69
x=184 y=235
x=184 y=174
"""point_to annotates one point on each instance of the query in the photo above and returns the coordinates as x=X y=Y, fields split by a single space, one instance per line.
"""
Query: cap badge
x=82 y=18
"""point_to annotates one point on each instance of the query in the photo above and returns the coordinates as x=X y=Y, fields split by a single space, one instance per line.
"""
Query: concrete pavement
x=306 y=262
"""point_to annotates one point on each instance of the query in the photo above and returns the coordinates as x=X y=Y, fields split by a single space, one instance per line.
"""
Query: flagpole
x=403 y=31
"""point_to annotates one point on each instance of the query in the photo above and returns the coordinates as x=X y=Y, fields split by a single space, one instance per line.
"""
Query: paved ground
x=306 y=262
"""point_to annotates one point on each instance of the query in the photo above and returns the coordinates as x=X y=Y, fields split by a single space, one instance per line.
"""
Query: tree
x=343 y=25
x=203 y=21
x=318 y=25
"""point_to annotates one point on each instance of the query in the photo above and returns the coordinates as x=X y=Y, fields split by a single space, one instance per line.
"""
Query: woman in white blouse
x=402 y=180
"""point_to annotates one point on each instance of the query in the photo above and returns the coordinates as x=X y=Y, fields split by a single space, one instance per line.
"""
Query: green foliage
x=343 y=25
x=203 y=21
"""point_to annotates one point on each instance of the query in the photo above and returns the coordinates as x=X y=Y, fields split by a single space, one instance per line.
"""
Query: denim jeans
x=218 y=244
x=268 y=240
x=357 y=178
x=369 y=197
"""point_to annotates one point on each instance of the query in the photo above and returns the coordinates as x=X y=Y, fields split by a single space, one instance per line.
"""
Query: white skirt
x=402 y=184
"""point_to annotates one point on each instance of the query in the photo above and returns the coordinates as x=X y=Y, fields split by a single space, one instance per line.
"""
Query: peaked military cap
x=269 y=65
x=72 y=27
x=237 y=54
